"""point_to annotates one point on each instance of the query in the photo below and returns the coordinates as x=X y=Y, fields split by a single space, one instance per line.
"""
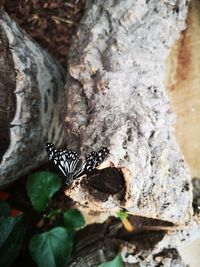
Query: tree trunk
x=31 y=101
x=117 y=98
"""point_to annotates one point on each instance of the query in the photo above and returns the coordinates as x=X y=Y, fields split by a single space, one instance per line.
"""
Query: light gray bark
x=118 y=58
x=32 y=86
x=116 y=98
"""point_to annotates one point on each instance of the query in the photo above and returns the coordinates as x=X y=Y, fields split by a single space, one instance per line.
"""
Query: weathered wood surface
x=31 y=102
x=117 y=98
x=182 y=82
x=98 y=243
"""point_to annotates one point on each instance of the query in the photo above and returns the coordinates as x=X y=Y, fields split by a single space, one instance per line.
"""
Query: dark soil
x=51 y=23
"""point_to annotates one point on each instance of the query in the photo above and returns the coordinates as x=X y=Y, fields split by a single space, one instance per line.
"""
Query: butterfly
x=69 y=162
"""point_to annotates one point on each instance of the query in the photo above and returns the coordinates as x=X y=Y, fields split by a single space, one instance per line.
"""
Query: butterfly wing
x=93 y=159
x=66 y=160
x=51 y=151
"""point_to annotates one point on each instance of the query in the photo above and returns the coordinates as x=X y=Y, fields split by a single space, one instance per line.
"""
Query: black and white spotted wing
x=93 y=159
x=68 y=161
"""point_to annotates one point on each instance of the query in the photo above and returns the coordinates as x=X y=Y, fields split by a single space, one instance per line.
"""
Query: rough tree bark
x=31 y=100
x=117 y=98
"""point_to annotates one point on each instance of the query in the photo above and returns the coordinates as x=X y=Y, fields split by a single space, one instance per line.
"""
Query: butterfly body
x=71 y=165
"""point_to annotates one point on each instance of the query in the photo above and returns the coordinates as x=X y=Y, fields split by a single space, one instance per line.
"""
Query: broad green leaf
x=41 y=186
x=11 y=236
x=4 y=209
x=52 y=248
x=73 y=219
x=116 y=262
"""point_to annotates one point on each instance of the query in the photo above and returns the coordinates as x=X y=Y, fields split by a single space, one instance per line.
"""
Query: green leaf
x=11 y=236
x=52 y=248
x=41 y=186
x=4 y=209
x=116 y=262
x=73 y=219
